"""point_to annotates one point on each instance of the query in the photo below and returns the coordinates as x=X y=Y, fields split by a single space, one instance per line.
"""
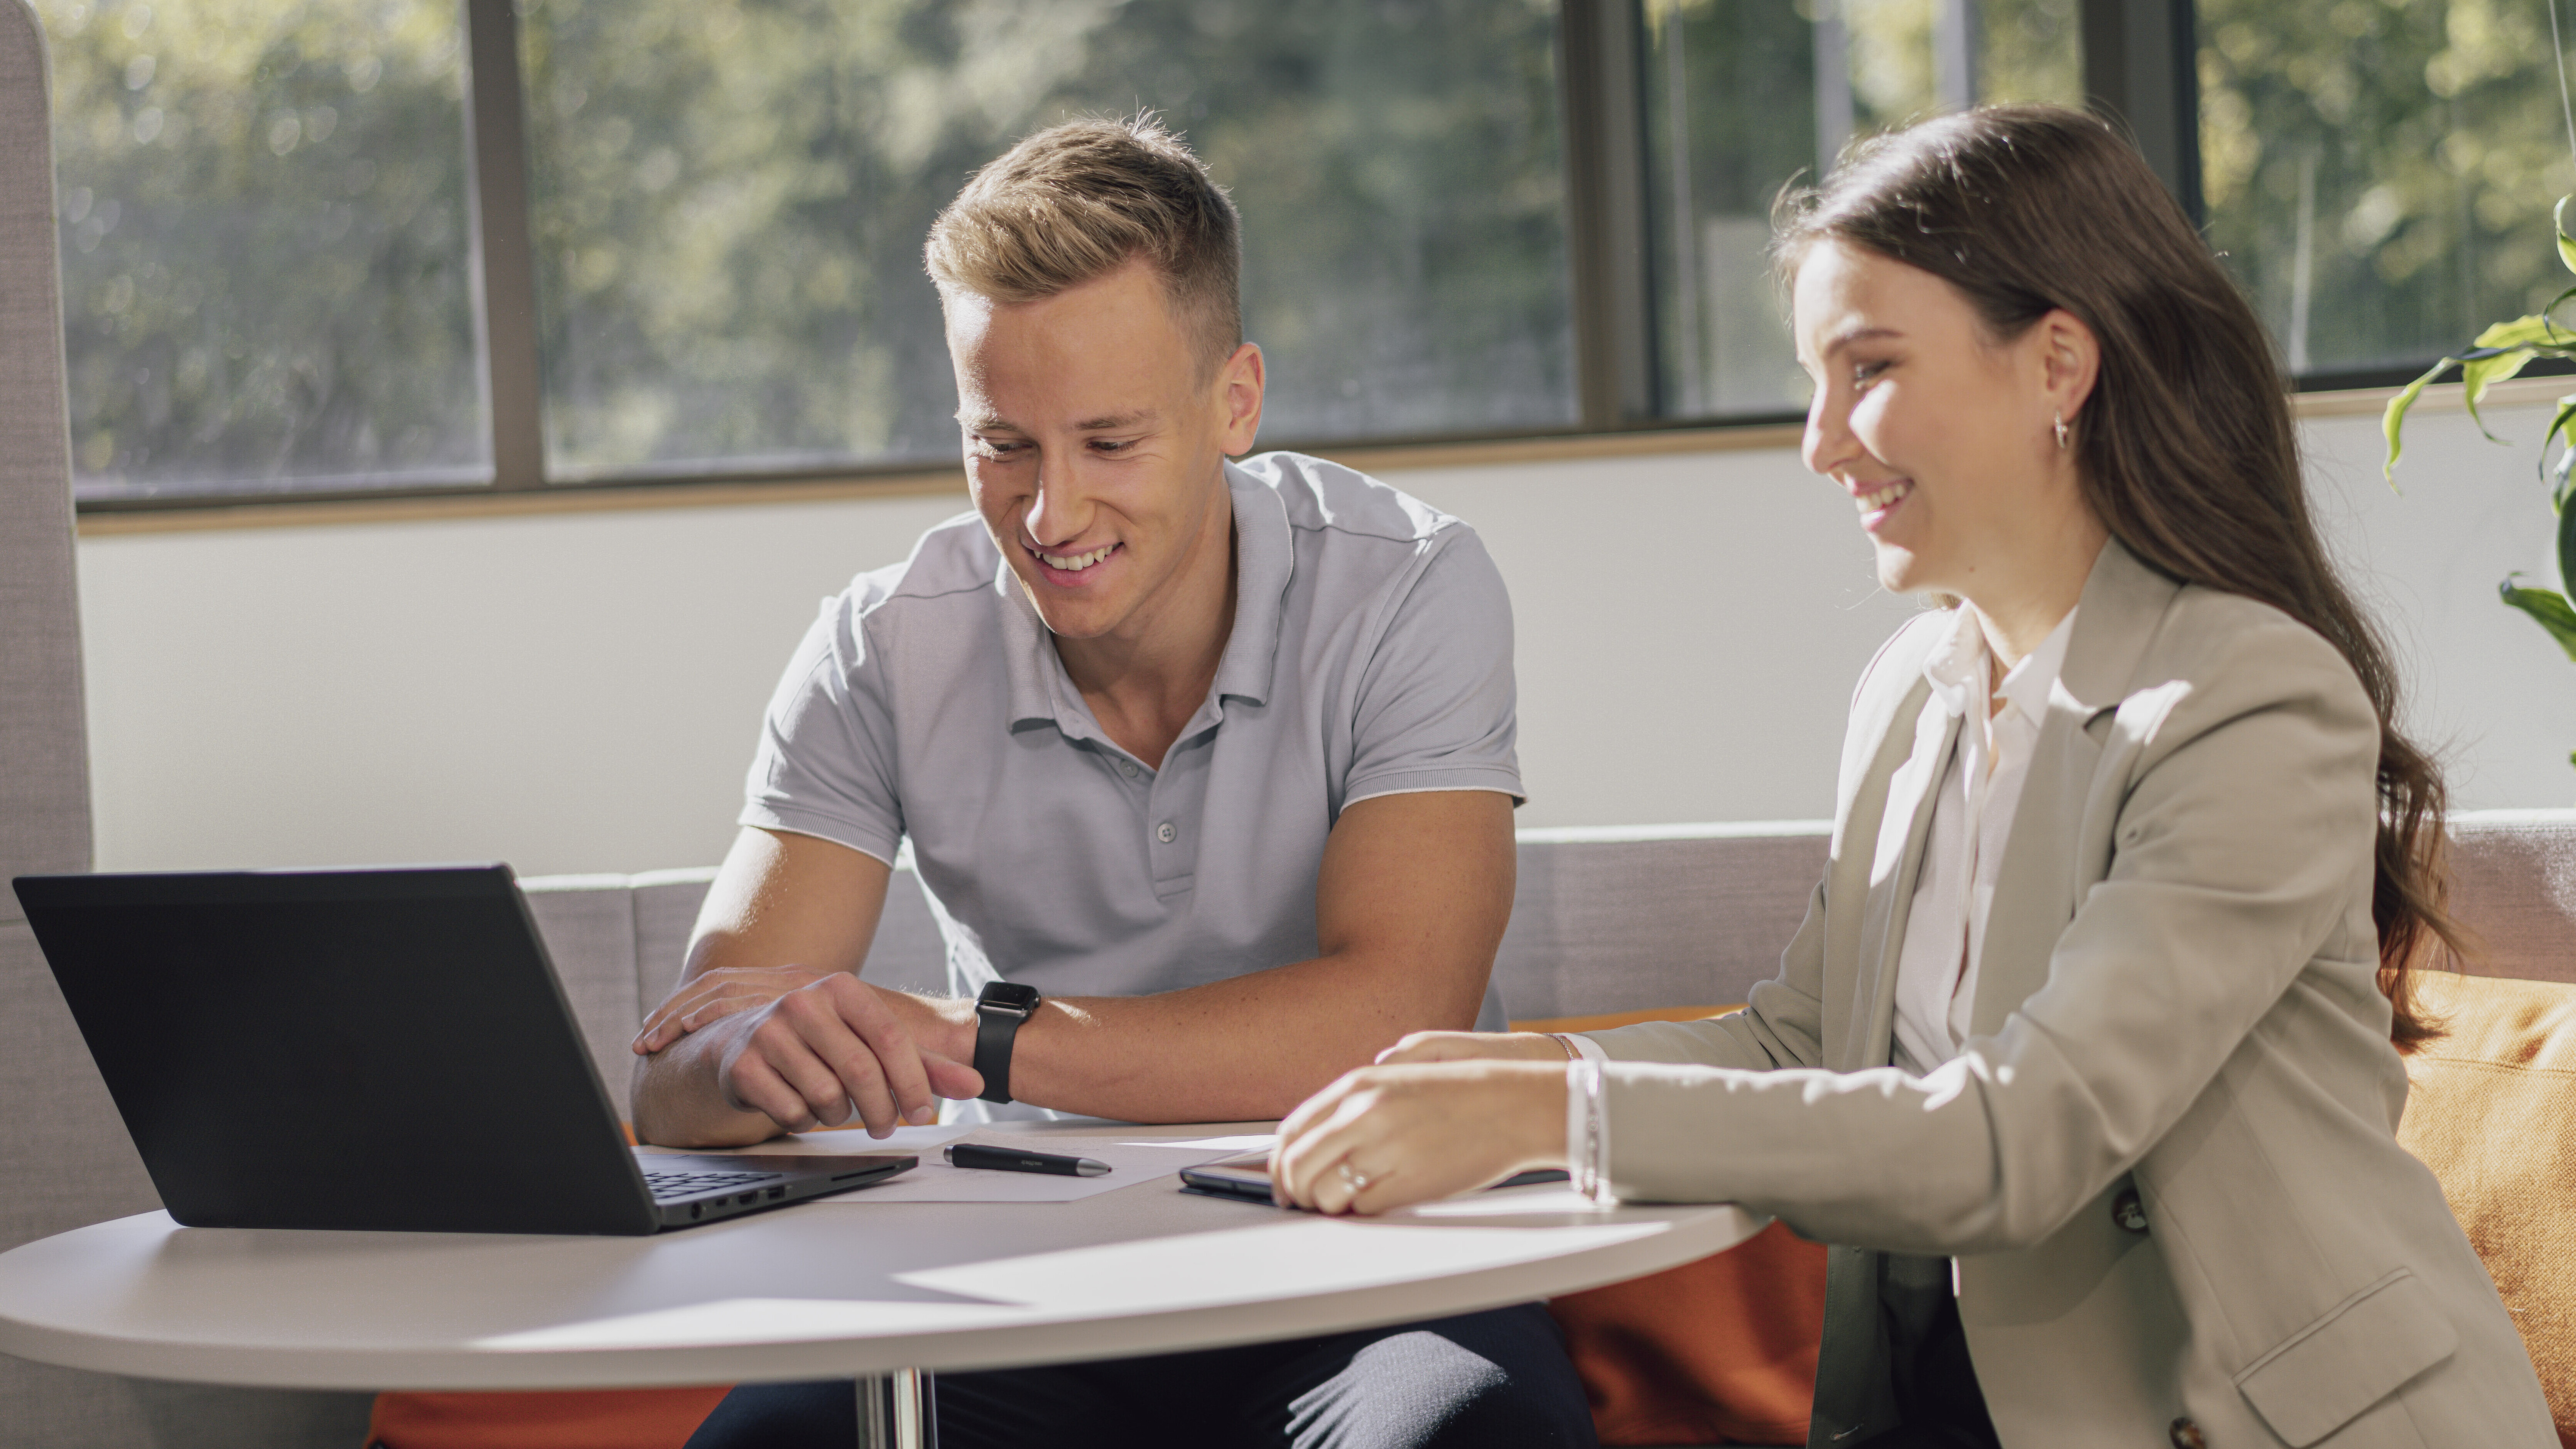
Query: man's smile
x=1074 y=563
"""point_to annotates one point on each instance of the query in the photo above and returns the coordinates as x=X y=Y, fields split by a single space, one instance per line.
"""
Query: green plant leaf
x=2566 y=243
x=2557 y=431
x=2394 y=419
x=2567 y=550
x=2526 y=331
x=2551 y=311
x=2547 y=607
x=2501 y=351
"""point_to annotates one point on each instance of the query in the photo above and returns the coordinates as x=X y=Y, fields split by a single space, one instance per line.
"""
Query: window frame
x=2140 y=68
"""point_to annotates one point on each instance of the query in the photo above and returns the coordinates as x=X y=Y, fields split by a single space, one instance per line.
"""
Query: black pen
x=1012 y=1159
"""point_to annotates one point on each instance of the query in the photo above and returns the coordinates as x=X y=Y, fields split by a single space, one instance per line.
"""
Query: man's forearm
x=1243 y=1049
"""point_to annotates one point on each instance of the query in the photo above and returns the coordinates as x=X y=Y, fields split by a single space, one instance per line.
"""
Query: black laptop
x=384 y=1049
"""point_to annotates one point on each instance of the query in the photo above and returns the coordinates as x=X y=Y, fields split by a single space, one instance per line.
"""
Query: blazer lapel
x=2037 y=886
x=1896 y=860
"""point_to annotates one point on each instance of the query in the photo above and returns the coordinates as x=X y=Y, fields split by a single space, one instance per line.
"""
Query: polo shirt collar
x=1264 y=560
x=1265 y=555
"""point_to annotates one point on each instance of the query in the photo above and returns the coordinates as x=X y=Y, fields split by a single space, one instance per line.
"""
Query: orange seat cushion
x=1721 y=1351
x=576 y=1419
x=2492 y=1104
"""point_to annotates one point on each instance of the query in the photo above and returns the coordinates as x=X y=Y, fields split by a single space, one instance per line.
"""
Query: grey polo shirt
x=1371 y=655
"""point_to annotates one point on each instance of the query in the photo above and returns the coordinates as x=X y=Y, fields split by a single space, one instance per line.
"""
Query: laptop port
x=696 y=1210
x=776 y=1193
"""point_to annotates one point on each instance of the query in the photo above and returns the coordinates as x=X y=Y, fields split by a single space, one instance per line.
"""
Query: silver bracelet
x=1585 y=1157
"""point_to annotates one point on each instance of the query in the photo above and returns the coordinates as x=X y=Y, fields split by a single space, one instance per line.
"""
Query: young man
x=1207 y=769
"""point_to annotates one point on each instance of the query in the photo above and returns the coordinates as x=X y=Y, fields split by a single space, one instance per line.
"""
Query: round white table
x=828 y=1289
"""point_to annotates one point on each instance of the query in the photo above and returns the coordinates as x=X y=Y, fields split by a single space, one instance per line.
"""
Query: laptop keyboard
x=668 y=1185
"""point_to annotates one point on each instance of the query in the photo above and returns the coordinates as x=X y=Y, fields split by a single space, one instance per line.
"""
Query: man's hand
x=1474 y=1046
x=826 y=1050
x=1385 y=1137
x=713 y=995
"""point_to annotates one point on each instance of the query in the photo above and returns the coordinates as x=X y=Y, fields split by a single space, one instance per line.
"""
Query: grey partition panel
x=65 y=1156
x=588 y=923
x=66 y=1162
x=44 y=768
x=2513 y=881
x=1634 y=920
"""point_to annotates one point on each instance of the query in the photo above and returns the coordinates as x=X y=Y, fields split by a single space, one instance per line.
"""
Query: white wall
x=580 y=692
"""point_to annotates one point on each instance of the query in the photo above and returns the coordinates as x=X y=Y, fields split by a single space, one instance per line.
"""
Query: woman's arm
x=2242 y=856
x=2243 y=842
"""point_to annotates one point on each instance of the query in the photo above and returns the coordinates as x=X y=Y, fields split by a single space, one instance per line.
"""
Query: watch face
x=1010 y=996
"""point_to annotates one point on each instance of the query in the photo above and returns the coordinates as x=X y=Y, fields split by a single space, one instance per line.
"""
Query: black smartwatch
x=998 y=1014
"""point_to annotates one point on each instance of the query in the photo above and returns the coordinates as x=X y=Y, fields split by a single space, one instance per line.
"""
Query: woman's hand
x=1385 y=1137
x=1470 y=1046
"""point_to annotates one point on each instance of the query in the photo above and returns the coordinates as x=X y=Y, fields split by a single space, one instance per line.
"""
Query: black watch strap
x=999 y=1013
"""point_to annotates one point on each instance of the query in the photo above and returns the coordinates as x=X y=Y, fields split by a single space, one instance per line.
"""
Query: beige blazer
x=2165 y=1160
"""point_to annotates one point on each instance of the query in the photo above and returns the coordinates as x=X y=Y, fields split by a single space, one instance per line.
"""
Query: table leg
x=898 y=1411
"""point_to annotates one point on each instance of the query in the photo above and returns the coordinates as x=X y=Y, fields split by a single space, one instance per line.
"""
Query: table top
x=817 y=1290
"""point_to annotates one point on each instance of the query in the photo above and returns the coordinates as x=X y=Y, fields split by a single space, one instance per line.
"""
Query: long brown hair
x=2185 y=450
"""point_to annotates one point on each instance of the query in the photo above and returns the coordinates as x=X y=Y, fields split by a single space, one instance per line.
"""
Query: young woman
x=2088 y=1048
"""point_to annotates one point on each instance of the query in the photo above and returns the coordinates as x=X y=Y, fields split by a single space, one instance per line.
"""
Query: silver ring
x=1357 y=1181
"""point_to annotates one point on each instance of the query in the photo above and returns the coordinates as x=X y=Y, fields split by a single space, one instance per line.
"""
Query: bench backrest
x=1613 y=920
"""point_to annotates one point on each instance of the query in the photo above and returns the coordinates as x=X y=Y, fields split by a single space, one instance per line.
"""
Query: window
x=729 y=202
x=1462 y=217
x=264 y=245
x=2380 y=175
x=1734 y=112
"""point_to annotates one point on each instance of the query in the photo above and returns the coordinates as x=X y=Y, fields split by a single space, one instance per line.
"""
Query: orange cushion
x=2493 y=1101
x=1721 y=1351
x=576 y=1419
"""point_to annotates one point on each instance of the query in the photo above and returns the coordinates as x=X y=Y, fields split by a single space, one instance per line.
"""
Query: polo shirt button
x=2128 y=1211
x=1165 y=833
x=1127 y=768
x=2186 y=1435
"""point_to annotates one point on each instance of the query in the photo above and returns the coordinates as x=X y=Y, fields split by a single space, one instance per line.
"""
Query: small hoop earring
x=2062 y=441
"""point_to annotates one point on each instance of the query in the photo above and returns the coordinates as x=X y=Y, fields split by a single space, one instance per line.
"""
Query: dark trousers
x=1497 y=1380
x=1938 y=1402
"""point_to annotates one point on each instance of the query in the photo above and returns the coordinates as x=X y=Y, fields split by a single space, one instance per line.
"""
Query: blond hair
x=1080 y=200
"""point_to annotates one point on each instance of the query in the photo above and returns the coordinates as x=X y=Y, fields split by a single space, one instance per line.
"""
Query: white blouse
x=1972 y=811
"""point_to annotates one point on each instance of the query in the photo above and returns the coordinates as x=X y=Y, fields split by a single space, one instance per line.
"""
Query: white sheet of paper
x=1129 y=1162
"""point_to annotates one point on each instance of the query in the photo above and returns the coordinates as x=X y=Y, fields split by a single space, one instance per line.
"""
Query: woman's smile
x=1880 y=500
